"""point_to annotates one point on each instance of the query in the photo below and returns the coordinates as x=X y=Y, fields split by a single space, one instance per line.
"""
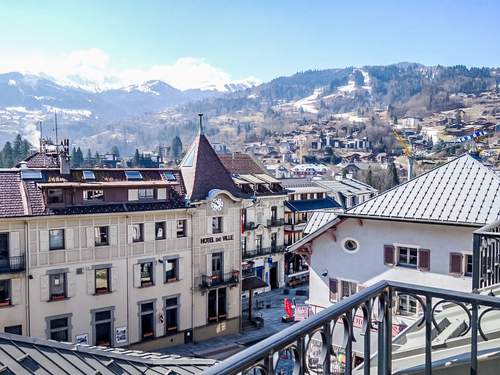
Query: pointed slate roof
x=203 y=171
x=462 y=191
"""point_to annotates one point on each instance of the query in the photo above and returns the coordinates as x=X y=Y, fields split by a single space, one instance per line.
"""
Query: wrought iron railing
x=249 y=225
x=375 y=304
x=263 y=251
x=218 y=279
x=486 y=256
x=275 y=222
x=12 y=264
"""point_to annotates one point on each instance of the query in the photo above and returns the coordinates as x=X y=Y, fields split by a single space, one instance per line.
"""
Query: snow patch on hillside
x=309 y=103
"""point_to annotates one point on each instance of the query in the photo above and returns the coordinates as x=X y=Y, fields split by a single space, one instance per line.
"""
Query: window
x=55 y=196
x=407 y=257
x=217 y=266
x=93 y=195
x=243 y=244
x=147 y=313
x=171 y=315
x=31 y=175
x=14 y=330
x=320 y=195
x=57 y=285
x=4 y=248
x=181 y=228
x=103 y=328
x=468 y=265
x=407 y=305
x=217 y=224
x=350 y=244
x=147 y=274
x=347 y=288
x=56 y=239
x=169 y=176
x=88 y=176
x=274 y=241
x=171 y=270
x=58 y=329
x=274 y=214
x=217 y=305
x=146 y=193
x=4 y=293
x=102 y=280
x=160 y=230
x=101 y=236
x=258 y=242
x=137 y=232
x=133 y=175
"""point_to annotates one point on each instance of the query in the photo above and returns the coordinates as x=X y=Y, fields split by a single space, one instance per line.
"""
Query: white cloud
x=93 y=69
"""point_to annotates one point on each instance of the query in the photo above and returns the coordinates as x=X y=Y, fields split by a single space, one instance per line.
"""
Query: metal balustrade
x=12 y=264
x=375 y=304
x=275 y=222
x=263 y=251
x=218 y=279
x=486 y=255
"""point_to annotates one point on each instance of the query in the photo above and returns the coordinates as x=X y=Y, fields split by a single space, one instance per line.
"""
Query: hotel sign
x=227 y=237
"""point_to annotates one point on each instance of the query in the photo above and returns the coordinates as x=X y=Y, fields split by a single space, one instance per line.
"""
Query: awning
x=252 y=282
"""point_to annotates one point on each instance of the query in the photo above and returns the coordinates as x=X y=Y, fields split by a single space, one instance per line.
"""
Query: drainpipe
x=127 y=218
x=27 y=279
x=190 y=214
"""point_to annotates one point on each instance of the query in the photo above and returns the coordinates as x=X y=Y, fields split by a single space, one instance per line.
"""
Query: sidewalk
x=224 y=346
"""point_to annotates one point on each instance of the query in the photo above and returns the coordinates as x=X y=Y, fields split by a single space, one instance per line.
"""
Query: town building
x=143 y=258
x=263 y=219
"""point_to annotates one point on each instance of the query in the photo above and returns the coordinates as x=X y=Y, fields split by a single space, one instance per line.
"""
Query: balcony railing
x=249 y=225
x=275 y=222
x=12 y=264
x=218 y=279
x=486 y=256
x=263 y=251
x=300 y=341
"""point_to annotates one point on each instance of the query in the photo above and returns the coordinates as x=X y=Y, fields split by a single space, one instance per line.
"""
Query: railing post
x=301 y=349
x=388 y=332
x=473 y=339
x=367 y=342
x=428 y=335
x=380 y=335
x=328 y=342
x=348 y=347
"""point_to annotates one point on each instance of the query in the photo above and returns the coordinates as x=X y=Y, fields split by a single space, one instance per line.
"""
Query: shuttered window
x=389 y=254
x=424 y=259
x=456 y=261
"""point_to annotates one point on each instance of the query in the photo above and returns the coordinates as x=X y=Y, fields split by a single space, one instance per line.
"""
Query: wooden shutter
x=114 y=278
x=333 y=285
x=130 y=234
x=180 y=268
x=424 y=259
x=44 y=288
x=456 y=263
x=91 y=282
x=71 y=284
x=90 y=237
x=44 y=240
x=209 y=264
x=14 y=244
x=69 y=238
x=137 y=275
x=161 y=194
x=389 y=255
x=15 y=285
x=149 y=231
x=113 y=235
x=133 y=194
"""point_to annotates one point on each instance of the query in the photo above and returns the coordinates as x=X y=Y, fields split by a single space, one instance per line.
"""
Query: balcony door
x=4 y=251
x=217 y=266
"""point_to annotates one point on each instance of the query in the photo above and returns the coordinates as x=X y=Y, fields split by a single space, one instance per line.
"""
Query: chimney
x=64 y=158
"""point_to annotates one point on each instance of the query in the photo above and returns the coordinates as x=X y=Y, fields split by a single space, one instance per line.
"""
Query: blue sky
x=239 y=39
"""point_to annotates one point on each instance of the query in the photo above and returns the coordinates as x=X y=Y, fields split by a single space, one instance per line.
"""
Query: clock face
x=217 y=204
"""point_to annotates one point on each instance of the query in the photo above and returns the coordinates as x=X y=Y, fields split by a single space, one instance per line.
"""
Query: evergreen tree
x=115 y=151
x=17 y=153
x=176 y=147
x=88 y=159
x=8 y=155
x=137 y=158
x=25 y=149
x=369 y=177
x=97 y=158
x=392 y=178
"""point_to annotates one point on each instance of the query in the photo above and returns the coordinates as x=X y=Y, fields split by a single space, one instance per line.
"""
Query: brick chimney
x=64 y=158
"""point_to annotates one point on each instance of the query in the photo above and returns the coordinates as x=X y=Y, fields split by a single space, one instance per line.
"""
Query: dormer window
x=88 y=176
x=133 y=175
x=93 y=195
x=55 y=196
x=169 y=176
x=31 y=175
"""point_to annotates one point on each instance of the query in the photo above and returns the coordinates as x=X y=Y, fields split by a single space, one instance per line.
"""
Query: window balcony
x=263 y=251
x=12 y=264
x=216 y=280
x=275 y=223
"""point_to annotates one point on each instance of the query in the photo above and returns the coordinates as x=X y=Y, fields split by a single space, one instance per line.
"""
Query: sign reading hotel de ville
x=215 y=239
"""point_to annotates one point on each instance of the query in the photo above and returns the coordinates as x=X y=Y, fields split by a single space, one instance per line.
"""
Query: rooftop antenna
x=201 y=123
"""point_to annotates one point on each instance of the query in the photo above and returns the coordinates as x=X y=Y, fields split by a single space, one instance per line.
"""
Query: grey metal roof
x=462 y=191
x=347 y=186
x=318 y=219
x=25 y=355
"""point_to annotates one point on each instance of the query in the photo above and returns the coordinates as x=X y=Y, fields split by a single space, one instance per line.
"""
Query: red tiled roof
x=241 y=164
x=11 y=201
x=42 y=160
